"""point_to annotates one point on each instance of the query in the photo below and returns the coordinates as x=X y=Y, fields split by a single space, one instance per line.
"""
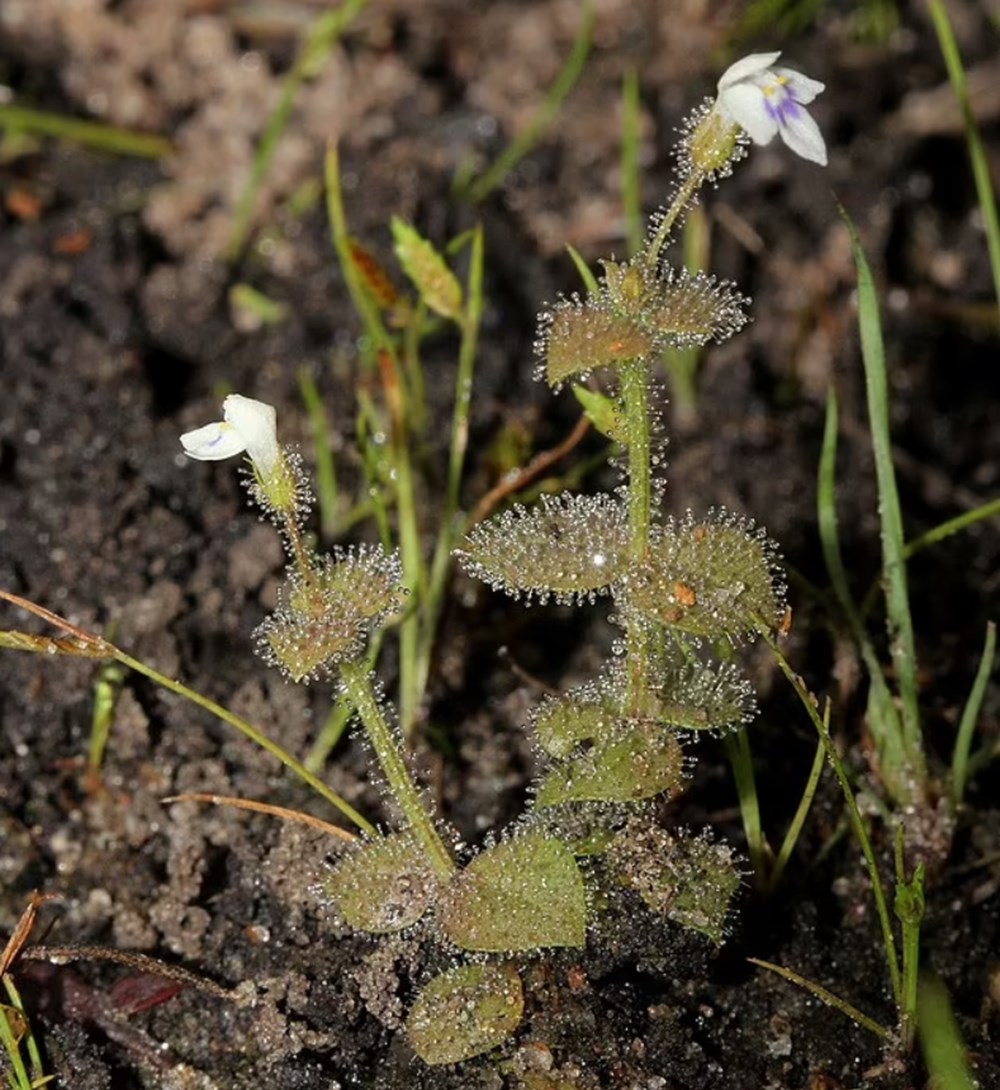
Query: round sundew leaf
x=522 y=894
x=640 y=763
x=305 y=646
x=691 y=880
x=691 y=309
x=383 y=886
x=561 y=723
x=694 y=696
x=571 y=547
x=576 y=338
x=356 y=585
x=465 y=1012
x=709 y=579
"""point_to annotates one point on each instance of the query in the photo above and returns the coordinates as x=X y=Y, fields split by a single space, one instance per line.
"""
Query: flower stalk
x=356 y=679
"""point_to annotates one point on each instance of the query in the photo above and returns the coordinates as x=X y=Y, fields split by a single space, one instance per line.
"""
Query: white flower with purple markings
x=247 y=425
x=767 y=101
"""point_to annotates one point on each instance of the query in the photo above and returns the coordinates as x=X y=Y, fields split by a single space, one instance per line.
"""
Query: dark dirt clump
x=117 y=333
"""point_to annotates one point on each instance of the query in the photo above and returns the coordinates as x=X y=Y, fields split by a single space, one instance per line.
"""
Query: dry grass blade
x=264 y=808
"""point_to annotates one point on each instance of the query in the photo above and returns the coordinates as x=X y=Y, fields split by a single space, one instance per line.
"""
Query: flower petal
x=803 y=89
x=213 y=442
x=802 y=135
x=256 y=424
x=745 y=104
x=747 y=68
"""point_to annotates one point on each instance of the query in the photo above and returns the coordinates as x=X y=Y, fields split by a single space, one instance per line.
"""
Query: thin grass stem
x=901 y=641
x=522 y=144
x=107 y=689
x=38 y=1077
x=977 y=152
x=631 y=198
x=10 y=1042
x=827 y=997
x=854 y=813
x=943 y=1048
x=320 y=40
x=884 y=719
x=452 y=525
x=909 y=907
x=91 y=134
x=248 y=730
x=738 y=751
x=802 y=811
x=326 y=471
x=970 y=716
x=586 y=273
x=951 y=526
x=358 y=688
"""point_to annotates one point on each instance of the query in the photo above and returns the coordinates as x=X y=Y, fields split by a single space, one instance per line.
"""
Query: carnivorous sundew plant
x=681 y=586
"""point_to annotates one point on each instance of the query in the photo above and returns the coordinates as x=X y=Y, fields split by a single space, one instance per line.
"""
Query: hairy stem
x=635 y=397
x=388 y=750
x=682 y=198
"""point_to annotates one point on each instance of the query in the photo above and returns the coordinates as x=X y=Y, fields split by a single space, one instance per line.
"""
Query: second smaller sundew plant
x=679 y=586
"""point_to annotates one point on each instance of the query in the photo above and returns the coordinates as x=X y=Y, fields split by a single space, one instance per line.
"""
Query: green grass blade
x=91 y=134
x=326 y=470
x=38 y=1076
x=775 y=18
x=522 y=144
x=853 y=813
x=977 y=152
x=631 y=199
x=248 y=730
x=320 y=40
x=339 y=235
x=900 y=623
x=683 y=363
x=738 y=751
x=883 y=718
x=970 y=715
x=952 y=526
x=801 y=812
x=909 y=905
x=827 y=997
x=471 y=320
x=107 y=689
x=451 y=524
x=586 y=274
x=18 y=1076
x=944 y=1052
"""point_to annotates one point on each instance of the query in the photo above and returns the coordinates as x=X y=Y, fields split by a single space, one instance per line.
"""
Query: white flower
x=766 y=101
x=247 y=425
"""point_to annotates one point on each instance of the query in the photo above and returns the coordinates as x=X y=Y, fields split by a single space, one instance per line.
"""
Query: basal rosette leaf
x=465 y=1012
x=384 y=885
x=522 y=894
x=694 y=696
x=691 y=880
x=713 y=578
x=561 y=722
x=569 y=547
x=639 y=762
